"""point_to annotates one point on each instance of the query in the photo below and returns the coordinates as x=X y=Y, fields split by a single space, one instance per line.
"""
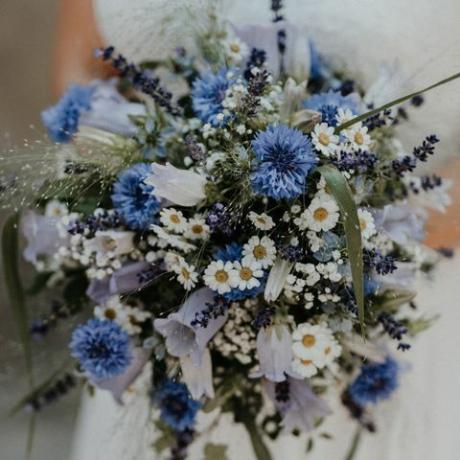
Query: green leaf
x=342 y=194
x=258 y=444
x=39 y=283
x=398 y=101
x=223 y=393
x=215 y=452
x=11 y=273
x=391 y=300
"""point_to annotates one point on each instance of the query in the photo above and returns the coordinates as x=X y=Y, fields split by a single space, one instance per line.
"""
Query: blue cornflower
x=133 y=199
x=285 y=157
x=376 y=382
x=61 y=120
x=329 y=103
x=229 y=253
x=102 y=347
x=236 y=294
x=177 y=408
x=208 y=93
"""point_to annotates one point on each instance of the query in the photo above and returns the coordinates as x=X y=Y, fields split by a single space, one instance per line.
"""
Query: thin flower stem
x=354 y=445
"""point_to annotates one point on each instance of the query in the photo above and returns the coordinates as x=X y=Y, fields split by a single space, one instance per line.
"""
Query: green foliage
x=14 y=288
x=394 y=102
x=215 y=452
x=344 y=197
x=260 y=448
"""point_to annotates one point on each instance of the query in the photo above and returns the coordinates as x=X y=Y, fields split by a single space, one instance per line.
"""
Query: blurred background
x=26 y=42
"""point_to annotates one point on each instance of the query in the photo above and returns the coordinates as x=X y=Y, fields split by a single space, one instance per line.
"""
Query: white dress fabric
x=421 y=420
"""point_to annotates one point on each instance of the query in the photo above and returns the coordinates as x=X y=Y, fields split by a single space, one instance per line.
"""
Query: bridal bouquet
x=244 y=244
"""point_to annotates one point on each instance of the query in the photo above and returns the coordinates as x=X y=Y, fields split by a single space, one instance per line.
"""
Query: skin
x=77 y=36
x=443 y=229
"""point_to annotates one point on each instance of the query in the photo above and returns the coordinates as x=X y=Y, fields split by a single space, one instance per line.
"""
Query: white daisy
x=321 y=215
x=309 y=341
x=358 y=137
x=261 y=250
x=236 y=49
x=248 y=272
x=113 y=310
x=186 y=275
x=366 y=223
x=304 y=367
x=55 y=208
x=173 y=261
x=315 y=343
x=220 y=276
x=197 y=229
x=173 y=220
x=324 y=139
x=343 y=116
x=261 y=221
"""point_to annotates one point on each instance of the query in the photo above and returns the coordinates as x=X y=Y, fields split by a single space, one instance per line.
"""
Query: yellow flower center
x=306 y=362
x=260 y=252
x=362 y=224
x=245 y=273
x=221 y=276
x=359 y=138
x=324 y=139
x=235 y=47
x=261 y=221
x=320 y=214
x=174 y=218
x=110 y=314
x=185 y=273
x=327 y=350
x=197 y=229
x=308 y=340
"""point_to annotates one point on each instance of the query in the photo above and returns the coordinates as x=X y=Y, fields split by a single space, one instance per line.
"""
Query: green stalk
x=398 y=101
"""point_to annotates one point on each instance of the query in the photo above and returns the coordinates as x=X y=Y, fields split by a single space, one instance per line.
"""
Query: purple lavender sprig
x=140 y=79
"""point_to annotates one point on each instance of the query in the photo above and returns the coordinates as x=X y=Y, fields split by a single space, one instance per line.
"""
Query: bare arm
x=443 y=230
x=77 y=36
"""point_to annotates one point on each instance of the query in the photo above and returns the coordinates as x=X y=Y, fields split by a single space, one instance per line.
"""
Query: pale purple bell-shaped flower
x=274 y=351
x=401 y=222
x=42 y=235
x=118 y=384
x=183 y=338
x=178 y=186
x=198 y=378
x=300 y=407
x=110 y=111
x=123 y=281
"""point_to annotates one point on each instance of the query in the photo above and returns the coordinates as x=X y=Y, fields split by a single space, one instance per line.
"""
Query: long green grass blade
x=13 y=283
x=398 y=101
x=260 y=448
x=342 y=194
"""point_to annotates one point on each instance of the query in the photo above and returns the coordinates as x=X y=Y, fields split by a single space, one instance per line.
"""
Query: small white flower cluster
x=237 y=339
x=301 y=285
x=314 y=347
x=103 y=253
